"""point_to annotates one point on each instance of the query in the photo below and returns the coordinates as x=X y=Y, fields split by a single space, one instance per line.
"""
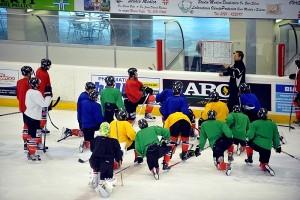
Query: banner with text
x=8 y=82
x=284 y=98
x=55 y=5
x=272 y=9
x=197 y=92
x=120 y=81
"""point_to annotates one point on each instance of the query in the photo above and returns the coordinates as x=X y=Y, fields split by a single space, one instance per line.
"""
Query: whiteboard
x=216 y=52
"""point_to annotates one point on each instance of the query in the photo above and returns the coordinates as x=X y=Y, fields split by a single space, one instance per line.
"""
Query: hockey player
x=110 y=99
x=91 y=117
x=164 y=95
x=43 y=75
x=249 y=102
x=219 y=136
x=147 y=144
x=176 y=103
x=105 y=151
x=296 y=101
x=35 y=102
x=216 y=105
x=22 y=88
x=136 y=94
x=123 y=131
x=262 y=135
x=237 y=74
x=239 y=124
x=180 y=127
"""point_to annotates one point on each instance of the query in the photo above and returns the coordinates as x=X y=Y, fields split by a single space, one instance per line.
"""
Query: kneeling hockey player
x=147 y=144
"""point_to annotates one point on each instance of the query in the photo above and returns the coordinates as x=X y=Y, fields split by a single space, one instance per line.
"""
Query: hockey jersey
x=176 y=104
x=83 y=96
x=249 y=101
x=220 y=108
x=148 y=136
x=43 y=75
x=175 y=117
x=34 y=102
x=106 y=149
x=91 y=114
x=213 y=130
x=133 y=90
x=264 y=133
x=111 y=95
x=239 y=124
x=22 y=88
x=162 y=98
x=122 y=131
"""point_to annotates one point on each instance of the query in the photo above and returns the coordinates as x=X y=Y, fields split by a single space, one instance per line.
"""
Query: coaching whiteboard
x=216 y=52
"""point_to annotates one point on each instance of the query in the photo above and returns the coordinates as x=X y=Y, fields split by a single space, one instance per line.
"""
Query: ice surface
x=60 y=176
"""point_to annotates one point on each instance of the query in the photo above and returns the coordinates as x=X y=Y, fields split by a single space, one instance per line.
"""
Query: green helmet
x=104 y=129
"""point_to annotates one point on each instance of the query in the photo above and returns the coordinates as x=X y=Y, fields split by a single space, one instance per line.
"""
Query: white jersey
x=34 y=102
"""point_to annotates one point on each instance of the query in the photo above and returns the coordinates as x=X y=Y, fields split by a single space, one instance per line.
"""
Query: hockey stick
x=286 y=153
x=10 y=113
x=292 y=103
x=44 y=116
x=287 y=126
x=122 y=183
x=56 y=102
x=52 y=122
x=82 y=161
x=64 y=138
x=139 y=112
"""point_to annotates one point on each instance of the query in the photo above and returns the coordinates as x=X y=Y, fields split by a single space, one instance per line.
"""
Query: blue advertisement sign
x=284 y=98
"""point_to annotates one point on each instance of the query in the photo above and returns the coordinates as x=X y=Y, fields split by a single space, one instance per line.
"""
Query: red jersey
x=45 y=79
x=22 y=87
x=133 y=90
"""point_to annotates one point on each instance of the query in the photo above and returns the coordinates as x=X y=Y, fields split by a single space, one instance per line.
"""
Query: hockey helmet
x=262 y=113
x=142 y=123
x=236 y=108
x=90 y=86
x=177 y=87
x=34 y=82
x=244 y=88
x=26 y=70
x=121 y=115
x=211 y=114
x=214 y=96
x=132 y=72
x=104 y=129
x=94 y=95
x=109 y=80
x=46 y=63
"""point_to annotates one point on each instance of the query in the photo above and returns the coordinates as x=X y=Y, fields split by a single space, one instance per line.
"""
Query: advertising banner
x=272 y=9
x=59 y=5
x=120 y=81
x=284 y=98
x=8 y=82
x=197 y=92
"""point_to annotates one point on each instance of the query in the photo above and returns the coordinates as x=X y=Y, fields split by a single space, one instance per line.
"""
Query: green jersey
x=239 y=124
x=148 y=136
x=111 y=95
x=264 y=133
x=213 y=130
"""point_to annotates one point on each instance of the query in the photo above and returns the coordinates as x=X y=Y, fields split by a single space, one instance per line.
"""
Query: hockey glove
x=164 y=142
x=197 y=151
x=278 y=150
x=200 y=121
x=48 y=91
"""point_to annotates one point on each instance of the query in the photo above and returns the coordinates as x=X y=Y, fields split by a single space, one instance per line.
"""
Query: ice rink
x=60 y=176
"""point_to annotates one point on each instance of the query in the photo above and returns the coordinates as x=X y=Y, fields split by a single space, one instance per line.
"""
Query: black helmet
x=211 y=114
x=90 y=86
x=262 y=113
x=214 y=96
x=94 y=95
x=45 y=63
x=236 y=108
x=121 y=115
x=109 y=80
x=142 y=123
x=26 y=70
x=244 y=88
x=132 y=72
x=34 y=82
x=177 y=87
